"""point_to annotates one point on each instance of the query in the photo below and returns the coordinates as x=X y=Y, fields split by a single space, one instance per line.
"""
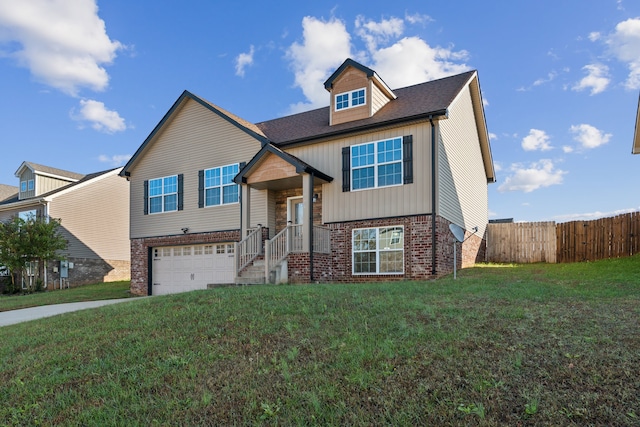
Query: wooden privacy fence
x=614 y=237
x=522 y=242
x=573 y=241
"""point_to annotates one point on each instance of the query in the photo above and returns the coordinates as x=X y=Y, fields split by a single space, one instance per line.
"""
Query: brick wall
x=140 y=250
x=281 y=206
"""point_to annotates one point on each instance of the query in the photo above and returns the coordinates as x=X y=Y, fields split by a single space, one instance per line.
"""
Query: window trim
x=163 y=195
x=376 y=165
x=31 y=185
x=378 y=250
x=221 y=186
x=349 y=94
x=23 y=186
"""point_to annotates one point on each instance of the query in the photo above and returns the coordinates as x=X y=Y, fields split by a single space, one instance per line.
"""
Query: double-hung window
x=350 y=99
x=219 y=188
x=163 y=194
x=376 y=164
x=378 y=250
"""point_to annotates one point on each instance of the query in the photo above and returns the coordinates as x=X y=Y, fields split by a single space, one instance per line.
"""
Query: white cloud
x=535 y=176
x=594 y=36
x=374 y=33
x=597 y=79
x=325 y=45
x=567 y=149
x=417 y=18
x=244 y=60
x=589 y=136
x=101 y=119
x=63 y=43
x=114 y=160
x=493 y=136
x=536 y=140
x=411 y=60
x=399 y=61
x=550 y=77
x=593 y=215
x=625 y=45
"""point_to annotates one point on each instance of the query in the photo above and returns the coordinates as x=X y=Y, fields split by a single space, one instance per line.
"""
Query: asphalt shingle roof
x=412 y=102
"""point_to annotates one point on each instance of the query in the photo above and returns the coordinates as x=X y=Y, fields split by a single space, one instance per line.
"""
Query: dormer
x=34 y=179
x=357 y=92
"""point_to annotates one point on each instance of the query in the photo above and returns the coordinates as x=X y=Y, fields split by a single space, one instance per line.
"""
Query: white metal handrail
x=249 y=248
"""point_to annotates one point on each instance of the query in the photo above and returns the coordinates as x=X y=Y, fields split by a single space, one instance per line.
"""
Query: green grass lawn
x=96 y=292
x=516 y=345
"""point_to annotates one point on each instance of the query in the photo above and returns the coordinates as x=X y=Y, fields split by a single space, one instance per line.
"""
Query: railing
x=290 y=240
x=248 y=249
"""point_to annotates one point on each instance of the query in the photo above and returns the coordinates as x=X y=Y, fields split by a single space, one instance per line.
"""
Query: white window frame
x=378 y=249
x=31 y=185
x=23 y=186
x=163 y=195
x=375 y=165
x=350 y=99
x=222 y=185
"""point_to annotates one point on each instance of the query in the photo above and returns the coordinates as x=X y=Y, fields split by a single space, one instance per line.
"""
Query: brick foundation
x=140 y=252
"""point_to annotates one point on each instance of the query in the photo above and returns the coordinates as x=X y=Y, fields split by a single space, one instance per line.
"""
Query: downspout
x=433 y=197
x=311 y=232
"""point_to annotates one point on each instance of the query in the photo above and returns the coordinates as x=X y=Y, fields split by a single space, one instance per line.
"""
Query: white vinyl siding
x=193 y=139
x=462 y=196
x=337 y=206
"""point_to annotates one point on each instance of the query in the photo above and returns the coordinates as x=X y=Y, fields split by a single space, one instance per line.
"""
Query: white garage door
x=187 y=268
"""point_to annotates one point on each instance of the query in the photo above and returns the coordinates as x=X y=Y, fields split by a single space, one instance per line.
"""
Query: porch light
x=315 y=197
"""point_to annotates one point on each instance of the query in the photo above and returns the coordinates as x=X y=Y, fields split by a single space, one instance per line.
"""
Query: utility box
x=64 y=269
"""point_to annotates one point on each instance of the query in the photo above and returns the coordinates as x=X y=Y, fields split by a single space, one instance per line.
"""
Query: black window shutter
x=146 y=197
x=201 y=188
x=180 y=192
x=346 y=169
x=407 y=159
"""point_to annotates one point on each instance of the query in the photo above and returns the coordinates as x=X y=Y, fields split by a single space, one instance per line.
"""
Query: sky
x=84 y=82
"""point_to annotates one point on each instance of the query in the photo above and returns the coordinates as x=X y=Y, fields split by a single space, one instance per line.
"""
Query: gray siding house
x=359 y=191
x=94 y=214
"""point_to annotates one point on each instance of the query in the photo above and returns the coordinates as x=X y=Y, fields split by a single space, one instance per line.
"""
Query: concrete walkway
x=25 y=314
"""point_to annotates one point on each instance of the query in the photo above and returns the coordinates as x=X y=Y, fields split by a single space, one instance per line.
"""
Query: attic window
x=350 y=99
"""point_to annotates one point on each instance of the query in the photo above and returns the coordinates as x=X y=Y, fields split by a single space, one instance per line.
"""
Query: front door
x=295 y=219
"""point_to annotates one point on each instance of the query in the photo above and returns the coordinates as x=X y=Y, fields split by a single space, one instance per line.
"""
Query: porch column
x=307 y=211
x=245 y=209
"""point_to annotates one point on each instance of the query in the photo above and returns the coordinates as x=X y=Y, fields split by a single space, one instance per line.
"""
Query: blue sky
x=83 y=83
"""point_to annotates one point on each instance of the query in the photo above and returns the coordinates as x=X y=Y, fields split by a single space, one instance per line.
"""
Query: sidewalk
x=25 y=314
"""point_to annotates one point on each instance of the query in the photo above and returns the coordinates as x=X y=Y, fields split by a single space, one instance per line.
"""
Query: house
x=359 y=191
x=93 y=210
x=635 y=149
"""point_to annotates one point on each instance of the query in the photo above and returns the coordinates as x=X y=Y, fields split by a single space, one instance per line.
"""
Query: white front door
x=295 y=217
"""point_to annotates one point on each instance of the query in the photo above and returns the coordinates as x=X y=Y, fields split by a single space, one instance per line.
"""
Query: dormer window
x=23 y=186
x=30 y=185
x=350 y=99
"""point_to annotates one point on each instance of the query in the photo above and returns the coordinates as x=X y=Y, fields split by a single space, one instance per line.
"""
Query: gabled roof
x=245 y=126
x=86 y=179
x=413 y=102
x=301 y=167
x=636 y=134
x=366 y=70
x=49 y=171
x=7 y=191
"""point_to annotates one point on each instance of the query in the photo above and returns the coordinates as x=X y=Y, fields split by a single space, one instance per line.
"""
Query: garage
x=187 y=268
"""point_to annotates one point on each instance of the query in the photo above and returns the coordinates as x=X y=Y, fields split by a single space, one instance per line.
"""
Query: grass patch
x=524 y=345
x=95 y=292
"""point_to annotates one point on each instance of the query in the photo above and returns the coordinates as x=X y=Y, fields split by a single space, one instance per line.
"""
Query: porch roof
x=282 y=180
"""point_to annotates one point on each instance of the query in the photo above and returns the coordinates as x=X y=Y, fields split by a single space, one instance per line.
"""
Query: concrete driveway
x=25 y=314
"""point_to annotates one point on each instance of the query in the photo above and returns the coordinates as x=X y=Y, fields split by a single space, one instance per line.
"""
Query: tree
x=24 y=242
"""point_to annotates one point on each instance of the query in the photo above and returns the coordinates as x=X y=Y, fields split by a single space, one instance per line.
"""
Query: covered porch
x=294 y=227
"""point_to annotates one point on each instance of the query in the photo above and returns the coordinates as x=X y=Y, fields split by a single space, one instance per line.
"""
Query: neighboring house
x=7 y=191
x=635 y=149
x=93 y=210
x=363 y=190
